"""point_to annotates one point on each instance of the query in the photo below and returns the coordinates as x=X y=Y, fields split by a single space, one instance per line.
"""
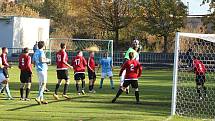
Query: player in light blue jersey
x=40 y=62
x=107 y=67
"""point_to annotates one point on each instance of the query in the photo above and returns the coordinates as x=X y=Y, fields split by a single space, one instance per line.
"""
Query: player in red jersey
x=133 y=72
x=79 y=65
x=26 y=73
x=199 y=70
x=62 y=70
x=5 y=63
x=91 y=72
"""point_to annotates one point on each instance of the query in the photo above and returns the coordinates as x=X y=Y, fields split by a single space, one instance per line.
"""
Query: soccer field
x=155 y=96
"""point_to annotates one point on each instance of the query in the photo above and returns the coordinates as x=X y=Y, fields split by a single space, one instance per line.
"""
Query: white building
x=20 y=32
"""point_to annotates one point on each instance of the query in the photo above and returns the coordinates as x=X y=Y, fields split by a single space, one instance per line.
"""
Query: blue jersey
x=106 y=64
x=40 y=66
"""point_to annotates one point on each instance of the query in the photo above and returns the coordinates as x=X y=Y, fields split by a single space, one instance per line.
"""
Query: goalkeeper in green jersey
x=135 y=49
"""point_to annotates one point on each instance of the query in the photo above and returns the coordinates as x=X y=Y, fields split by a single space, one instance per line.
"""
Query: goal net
x=188 y=99
x=86 y=45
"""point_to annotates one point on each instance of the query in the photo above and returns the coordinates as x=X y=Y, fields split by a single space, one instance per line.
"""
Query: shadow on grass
x=32 y=105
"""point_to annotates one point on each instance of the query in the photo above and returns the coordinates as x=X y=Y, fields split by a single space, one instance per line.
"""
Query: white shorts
x=109 y=74
x=2 y=77
x=42 y=76
x=122 y=77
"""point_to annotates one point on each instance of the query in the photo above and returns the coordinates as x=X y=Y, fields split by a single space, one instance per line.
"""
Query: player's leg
x=83 y=83
x=42 y=75
x=134 y=84
x=56 y=89
x=28 y=86
x=77 y=80
x=110 y=74
x=66 y=85
x=203 y=85
x=102 y=79
x=90 y=76
x=22 y=86
x=125 y=84
x=198 y=86
x=7 y=90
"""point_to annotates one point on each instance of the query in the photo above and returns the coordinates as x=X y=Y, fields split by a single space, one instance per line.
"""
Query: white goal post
x=185 y=101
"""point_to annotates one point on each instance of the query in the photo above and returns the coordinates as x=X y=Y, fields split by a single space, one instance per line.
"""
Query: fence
x=148 y=60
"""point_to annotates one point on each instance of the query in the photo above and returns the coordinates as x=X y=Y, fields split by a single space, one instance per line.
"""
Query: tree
x=163 y=18
x=111 y=15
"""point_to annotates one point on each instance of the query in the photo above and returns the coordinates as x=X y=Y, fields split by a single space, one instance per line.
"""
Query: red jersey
x=199 y=67
x=133 y=70
x=4 y=60
x=91 y=64
x=61 y=59
x=79 y=64
x=25 y=63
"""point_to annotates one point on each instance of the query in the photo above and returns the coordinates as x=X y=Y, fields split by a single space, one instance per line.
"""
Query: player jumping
x=133 y=72
x=199 y=70
x=79 y=65
x=26 y=73
x=62 y=70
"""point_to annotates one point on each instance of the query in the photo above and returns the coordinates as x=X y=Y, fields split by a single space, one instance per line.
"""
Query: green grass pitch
x=155 y=95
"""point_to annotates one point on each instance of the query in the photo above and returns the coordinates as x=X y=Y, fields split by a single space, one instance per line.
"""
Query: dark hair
x=194 y=57
x=131 y=55
x=25 y=50
x=62 y=45
x=79 y=52
x=41 y=44
x=3 y=49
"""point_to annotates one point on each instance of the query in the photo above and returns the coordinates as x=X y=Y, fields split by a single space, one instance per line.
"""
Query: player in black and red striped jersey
x=26 y=73
x=62 y=70
x=133 y=72
x=79 y=64
x=91 y=72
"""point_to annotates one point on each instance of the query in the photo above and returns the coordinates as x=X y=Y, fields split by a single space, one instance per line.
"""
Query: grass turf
x=155 y=95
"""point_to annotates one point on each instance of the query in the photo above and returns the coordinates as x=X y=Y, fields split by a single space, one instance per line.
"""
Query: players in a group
x=199 y=70
x=26 y=73
x=91 y=72
x=79 y=65
x=133 y=72
x=41 y=61
x=107 y=67
x=62 y=71
x=4 y=82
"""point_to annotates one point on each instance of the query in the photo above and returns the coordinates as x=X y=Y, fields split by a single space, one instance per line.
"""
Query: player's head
x=62 y=45
x=92 y=54
x=25 y=50
x=80 y=53
x=41 y=44
x=135 y=44
x=105 y=54
x=131 y=55
x=4 y=50
x=194 y=57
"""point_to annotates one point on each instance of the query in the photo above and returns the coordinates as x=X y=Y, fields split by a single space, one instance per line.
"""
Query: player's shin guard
x=119 y=93
x=111 y=84
x=101 y=83
x=137 y=96
x=77 y=88
x=65 y=88
x=83 y=85
x=8 y=91
x=56 y=88
x=90 y=87
x=21 y=92
x=27 y=92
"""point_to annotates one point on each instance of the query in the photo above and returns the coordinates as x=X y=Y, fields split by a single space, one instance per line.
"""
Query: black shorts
x=91 y=75
x=25 y=76
x=5 y=72
x=133 y=83
x=200 y=79
x=62 y=74
x=79 y=76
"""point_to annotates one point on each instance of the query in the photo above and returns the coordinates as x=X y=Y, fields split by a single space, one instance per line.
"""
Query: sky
x=195 y=8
